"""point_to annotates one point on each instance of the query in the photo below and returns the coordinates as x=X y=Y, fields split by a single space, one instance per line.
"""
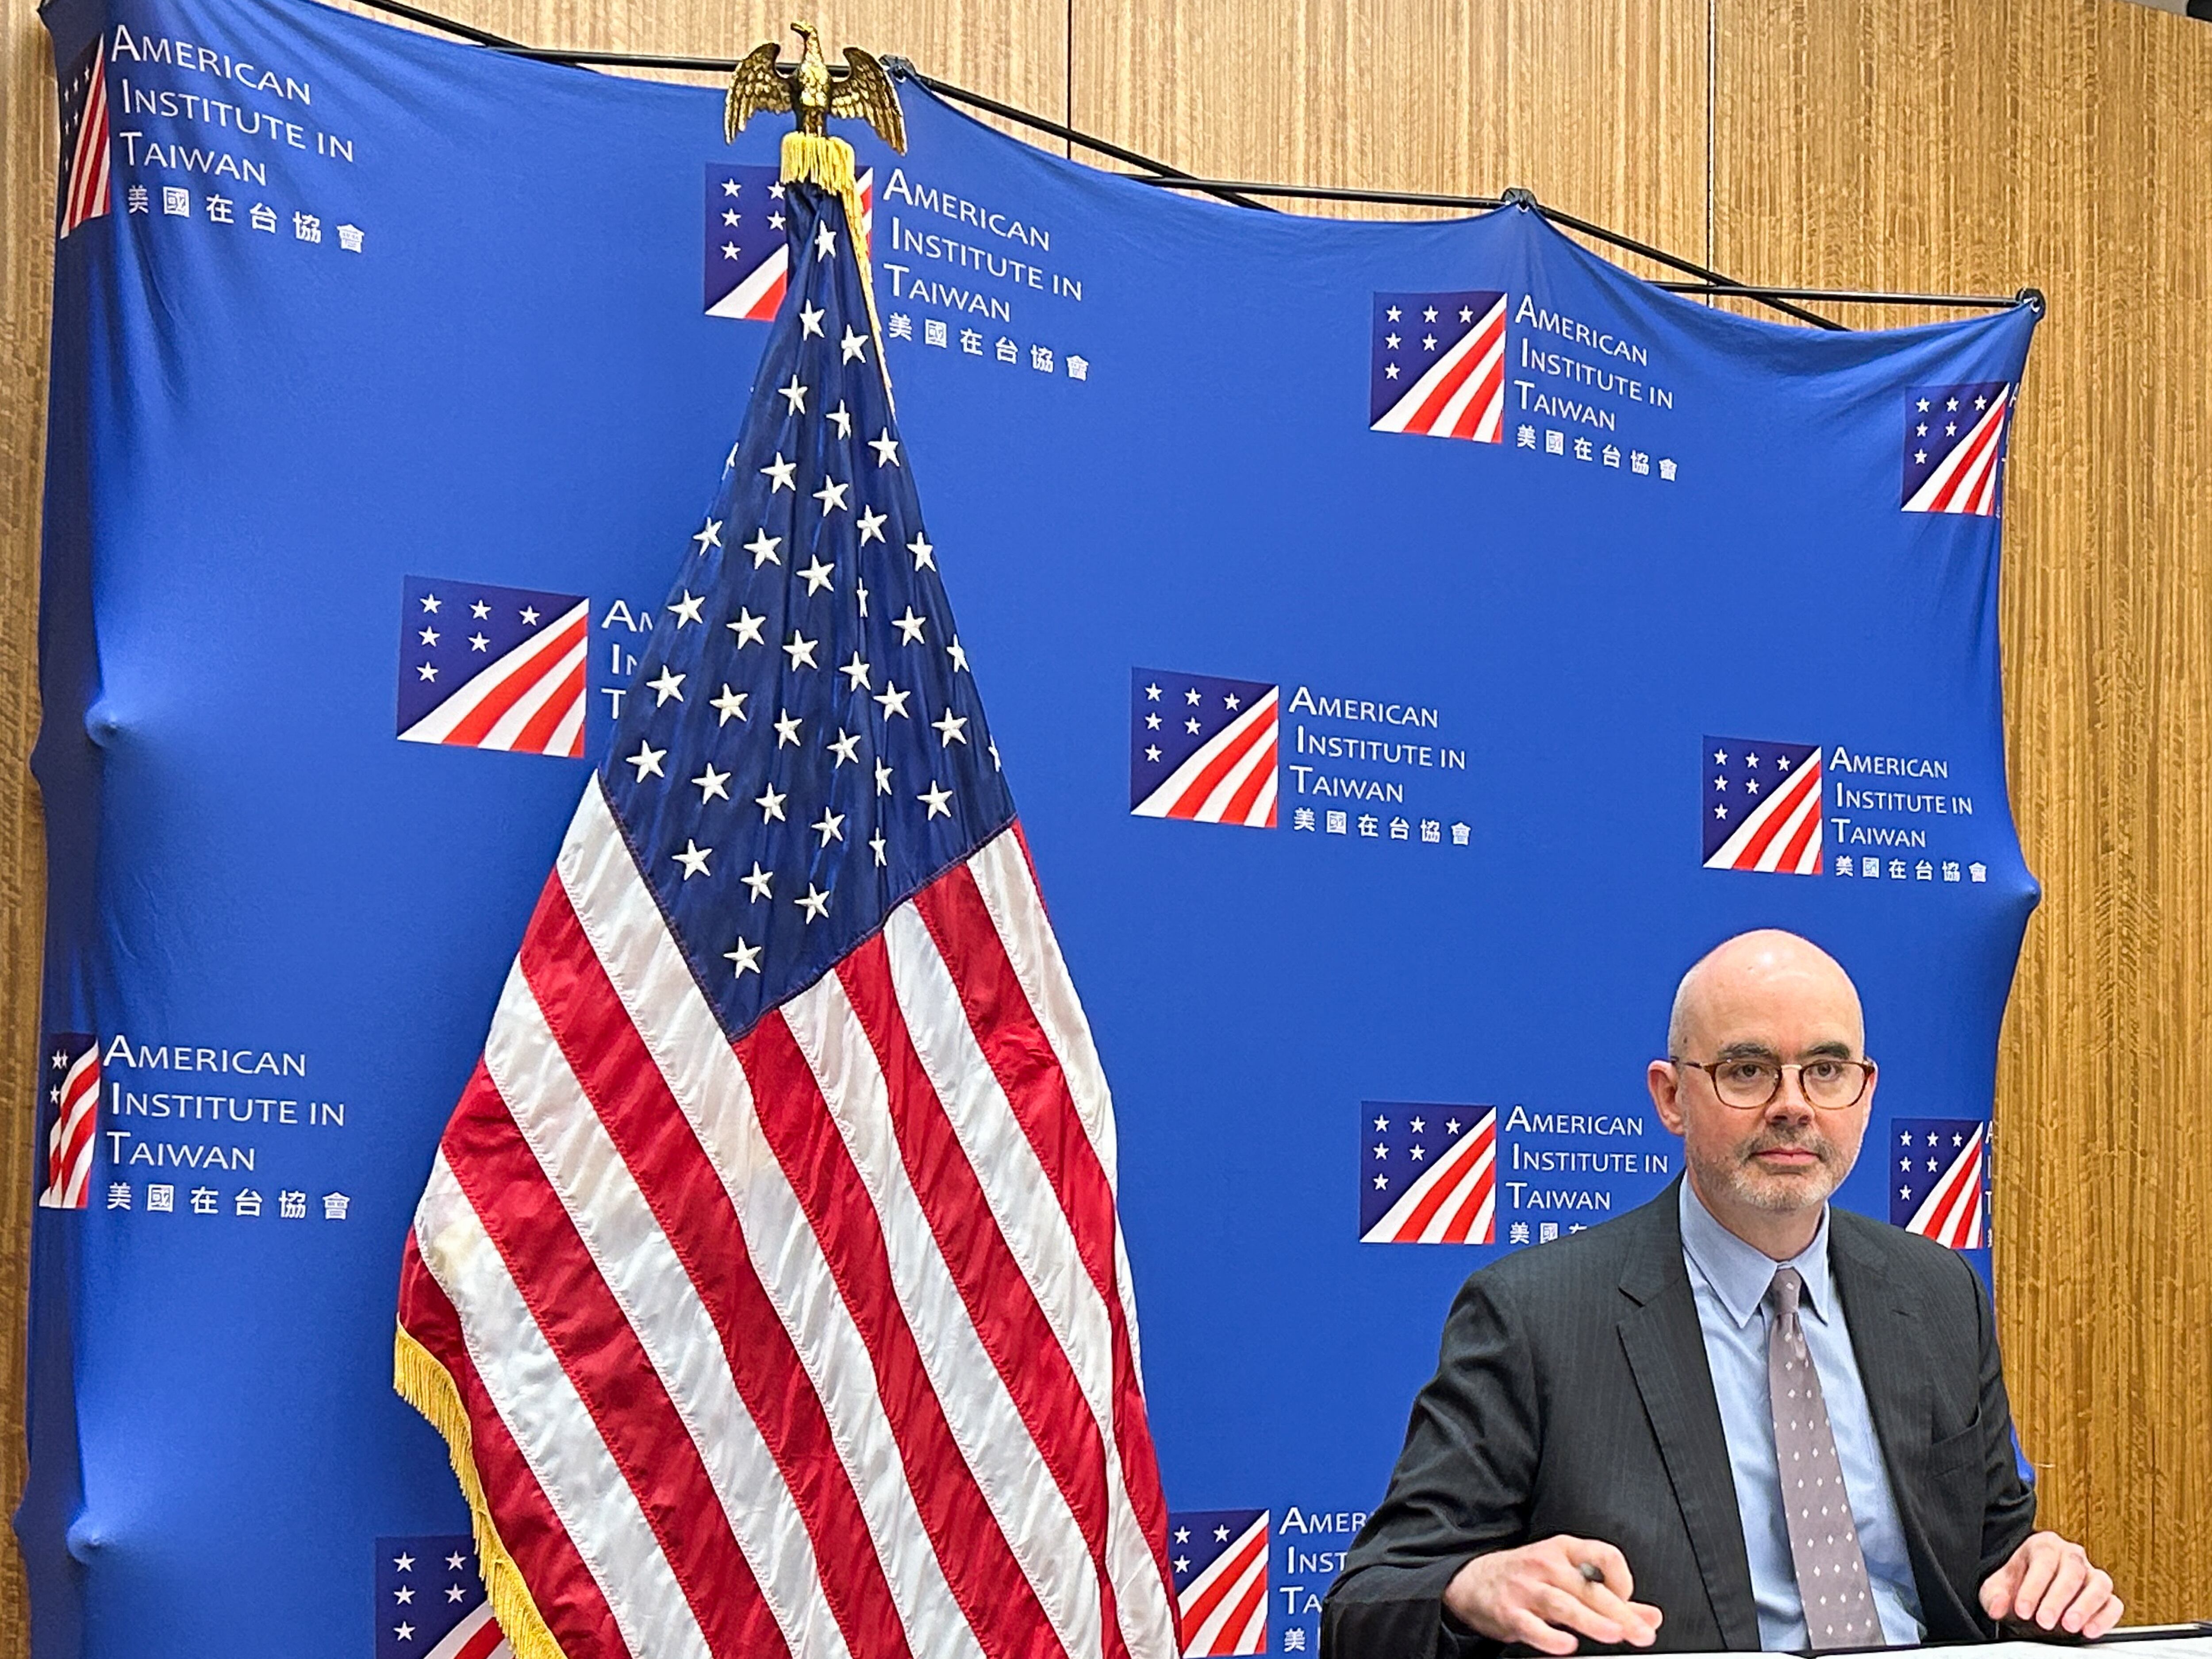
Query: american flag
x=1760 y=806
x=70 y=1111
x=490 y=667
x=1438 y=365
x=1954 y=447
x=1219 y=1557
x=85 y=182
x=430 y=1601
x=768 y=1275
x=1939 y=1185
x=1202 y=748
x=1428 y=1173
x=746 y=255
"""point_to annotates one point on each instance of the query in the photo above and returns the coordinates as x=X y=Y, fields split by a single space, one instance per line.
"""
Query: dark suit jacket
x=1572 y=1396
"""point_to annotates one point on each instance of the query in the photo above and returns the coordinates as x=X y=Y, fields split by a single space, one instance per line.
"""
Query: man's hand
x=1539 y=1596
x=2051 y=1583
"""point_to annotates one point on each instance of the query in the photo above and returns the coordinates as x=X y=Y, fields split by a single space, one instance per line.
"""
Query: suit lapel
x=1666 y=1350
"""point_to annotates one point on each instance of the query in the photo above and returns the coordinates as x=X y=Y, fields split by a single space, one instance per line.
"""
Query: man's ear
x=1665 y=1083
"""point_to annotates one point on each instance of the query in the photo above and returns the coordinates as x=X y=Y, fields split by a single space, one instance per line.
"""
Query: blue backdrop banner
x=1410 y=646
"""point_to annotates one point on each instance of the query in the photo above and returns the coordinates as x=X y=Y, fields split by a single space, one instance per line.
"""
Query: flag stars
x=856 y=673
x=894 y=701
x=694 y=858
x=923 y=553
x=404 y=1595
x=1191 y=727
x=710 y=536
x=427 y=671
x=745 y=958
x=780 y=474
x=647 y=761
x=747 y=628
x=886 y=448
x=910 y=627
x=854 y=348
x=958 y=655
x=951 y=729
x=686 y=610
x=668 y=685
x=478 y=643
x=800 y=650
x=860 y=593
x=729 y=705
x=819 y=576
x=875 y=845
x=430 y=604
x=713 y=785
x=810 y=324
x=872 y=525
x=759 y=881
x=730 y=187
x=825 y=242
x=846 y=747
x=770 y=803
x=831 y=826
x=795 y=395
x=832 y=497
x=814 y=903
x=787 y=730
x=937 y=798
x=453 y=1564
x=1191 y=696
x=480 y=611
x=429 y=636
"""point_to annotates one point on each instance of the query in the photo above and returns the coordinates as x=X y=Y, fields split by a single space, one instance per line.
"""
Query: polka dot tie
x=1824 y=1540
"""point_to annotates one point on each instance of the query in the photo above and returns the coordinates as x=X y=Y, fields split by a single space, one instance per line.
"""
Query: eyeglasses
x=1749 y=1083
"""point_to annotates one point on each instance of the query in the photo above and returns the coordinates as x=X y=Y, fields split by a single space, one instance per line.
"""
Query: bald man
x=1734 y=1418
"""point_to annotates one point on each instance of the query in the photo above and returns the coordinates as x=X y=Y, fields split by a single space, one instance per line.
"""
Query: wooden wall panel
x=1950 y=144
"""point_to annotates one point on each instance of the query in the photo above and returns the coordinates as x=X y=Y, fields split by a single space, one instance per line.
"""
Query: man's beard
x=1775 y=1192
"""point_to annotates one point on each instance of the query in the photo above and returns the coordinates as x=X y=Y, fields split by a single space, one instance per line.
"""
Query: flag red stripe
x=1225 y=1581
x=1241 y=1616
x=1965 y=465
x=768 y=304
x=567 y=1597
x=1240 y=804
x=533 y=736
x=1753 y=849
x=583 y=1325
x=678 y=1180
x=79 y=1144
x=1021 y=1057
x=1011 y=1325
x=480 y=1645
x=1193 y=797
x=1468 y=1152
x=1434 y=405
x=88 y=179
x=980 y=1566
x=485 y=715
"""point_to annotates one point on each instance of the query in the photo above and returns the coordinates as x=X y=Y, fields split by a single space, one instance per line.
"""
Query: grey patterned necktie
x=1824 y=1540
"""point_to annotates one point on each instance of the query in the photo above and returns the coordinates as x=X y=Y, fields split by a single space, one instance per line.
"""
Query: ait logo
x=487 y=667
x=1437 y=365
x=746 y=260
x=69 y=1110
x=1940 y=1180
x=1202 y=749
x=1219 y=1560
x=430 y=1601
x=1428 y=1173
x=1760 y=806
x=1954 y=447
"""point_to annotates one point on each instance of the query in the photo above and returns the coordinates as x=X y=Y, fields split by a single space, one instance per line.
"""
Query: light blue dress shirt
x=1730 y=1279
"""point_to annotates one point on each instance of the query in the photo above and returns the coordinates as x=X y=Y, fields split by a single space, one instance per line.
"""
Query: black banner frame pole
x=1708 y=283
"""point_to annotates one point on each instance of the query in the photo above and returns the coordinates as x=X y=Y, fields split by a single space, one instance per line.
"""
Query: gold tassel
x=811 y=159
x=426 y=1386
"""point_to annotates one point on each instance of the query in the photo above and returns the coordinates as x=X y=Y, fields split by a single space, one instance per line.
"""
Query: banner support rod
x=1708 y=284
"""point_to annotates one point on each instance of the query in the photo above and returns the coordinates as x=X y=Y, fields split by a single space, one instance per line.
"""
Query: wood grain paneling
x=1946 y=144
x=1942 y=144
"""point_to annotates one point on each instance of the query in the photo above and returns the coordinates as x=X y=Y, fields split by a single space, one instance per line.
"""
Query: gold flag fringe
x=426 y=1386
x=811 y=159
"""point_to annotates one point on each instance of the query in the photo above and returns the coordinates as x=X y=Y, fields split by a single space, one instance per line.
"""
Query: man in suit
x=1734 y=1418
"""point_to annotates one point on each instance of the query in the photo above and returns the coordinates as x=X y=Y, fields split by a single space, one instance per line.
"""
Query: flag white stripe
x=1017 y=1483
x=438 y=724
x=1732 y=848
x=567 y=737
x=653 y=982
x=552 y=1429
x=664 y=1309
x=756 y=282
x=1019 y=1194
x=1264 y=802
x=1401 y=414
x=1156 y=804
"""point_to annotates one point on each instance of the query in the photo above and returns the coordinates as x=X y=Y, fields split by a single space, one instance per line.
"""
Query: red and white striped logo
x=72 y=1106
x=1955 y=1211
x=758 y=294
x=1203 y=750
x=1454 y=1200
x=529 y=699
x=1219 y=1561
x=1760 y=804
x=86 y=168
x=1454 y=355
x=1954 y=448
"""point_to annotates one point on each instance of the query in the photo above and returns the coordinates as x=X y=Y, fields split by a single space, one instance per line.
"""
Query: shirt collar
x=1740 y=1273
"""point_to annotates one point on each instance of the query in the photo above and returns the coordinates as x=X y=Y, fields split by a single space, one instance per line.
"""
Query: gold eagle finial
x=762 y=86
